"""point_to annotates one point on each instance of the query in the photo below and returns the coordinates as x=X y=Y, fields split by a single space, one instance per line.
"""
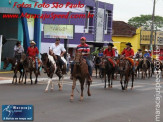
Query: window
x=87 y=20
x=108 y=21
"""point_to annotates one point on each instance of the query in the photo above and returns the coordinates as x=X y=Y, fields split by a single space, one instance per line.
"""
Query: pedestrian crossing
x=138 y=86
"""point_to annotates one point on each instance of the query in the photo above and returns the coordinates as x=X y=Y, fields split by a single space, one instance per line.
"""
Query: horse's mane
x=51 y=59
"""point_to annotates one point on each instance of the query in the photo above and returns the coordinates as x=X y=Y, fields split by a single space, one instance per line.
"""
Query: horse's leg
x=121 y=78
x=25 y=72
x=82 y=89
x=132 y=81
x=111 y=80
x=73 y=87
x=96 y=71
x=49 y=82
x=88 y=92
x=36 y=74
x=60 y=83
x=31 y=77
x=105 y=80
x=52 y=86
x=20 y=75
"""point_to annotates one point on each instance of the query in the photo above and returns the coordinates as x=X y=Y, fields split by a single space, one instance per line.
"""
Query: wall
x=119 y=42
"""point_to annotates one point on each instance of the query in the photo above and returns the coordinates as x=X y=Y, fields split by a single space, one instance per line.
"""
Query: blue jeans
x=89 y=66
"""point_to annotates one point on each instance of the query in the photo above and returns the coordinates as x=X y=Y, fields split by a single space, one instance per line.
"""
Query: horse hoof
x=45 y=91
x=81 y=98
x=24 y=83
x=51 y=90
x=89 y=94
x=71 y=98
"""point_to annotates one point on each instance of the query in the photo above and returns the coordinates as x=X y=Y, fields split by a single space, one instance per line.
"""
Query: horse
x=145 y=66
x=49 y=65
x=29 y=66
x=16 y=66
x=108 y=72
x=158 y=66
x=97 y=62
x=80 y=72
x=126 y=70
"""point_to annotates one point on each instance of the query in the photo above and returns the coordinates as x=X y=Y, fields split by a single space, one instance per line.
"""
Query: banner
x=30 y=22
x=58 y=31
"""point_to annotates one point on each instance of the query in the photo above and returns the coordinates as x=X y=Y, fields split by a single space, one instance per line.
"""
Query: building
x=22 y=29
x=96 y=29
x=124 y=33
x=156 y=41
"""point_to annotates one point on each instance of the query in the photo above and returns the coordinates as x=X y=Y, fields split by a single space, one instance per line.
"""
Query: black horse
x=17 y=66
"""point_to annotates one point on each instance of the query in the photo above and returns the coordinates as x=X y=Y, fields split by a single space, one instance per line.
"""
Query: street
x=105 y=105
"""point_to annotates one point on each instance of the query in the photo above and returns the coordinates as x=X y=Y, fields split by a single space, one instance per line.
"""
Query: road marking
x=147 y=89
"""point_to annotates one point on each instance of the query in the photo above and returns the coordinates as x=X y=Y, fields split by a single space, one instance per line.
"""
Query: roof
x=121 y=28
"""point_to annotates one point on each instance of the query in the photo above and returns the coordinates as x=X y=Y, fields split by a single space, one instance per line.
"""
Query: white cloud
x=126 y=9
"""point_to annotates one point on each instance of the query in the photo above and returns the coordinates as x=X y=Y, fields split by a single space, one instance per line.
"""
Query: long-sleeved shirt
x=128 y=52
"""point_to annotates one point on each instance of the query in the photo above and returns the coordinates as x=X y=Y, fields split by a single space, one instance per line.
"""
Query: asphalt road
x=105 y=105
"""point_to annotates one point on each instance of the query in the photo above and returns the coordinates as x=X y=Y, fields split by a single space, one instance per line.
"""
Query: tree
x=145 y=22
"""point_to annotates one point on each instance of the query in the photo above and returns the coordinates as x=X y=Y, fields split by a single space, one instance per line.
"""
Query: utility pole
x=152 y=28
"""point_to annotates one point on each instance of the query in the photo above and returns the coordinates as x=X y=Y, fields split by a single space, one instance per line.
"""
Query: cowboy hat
x=139 y=49
x=32 y=42
x=129 y=44
x=111 y=44
x=115 y=47
x=146 y=50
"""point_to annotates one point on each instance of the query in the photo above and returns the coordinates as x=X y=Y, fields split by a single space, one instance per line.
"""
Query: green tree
x=145 y=22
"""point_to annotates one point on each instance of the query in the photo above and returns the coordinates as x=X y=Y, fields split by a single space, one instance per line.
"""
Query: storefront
x=14 y=28
x=96 y=29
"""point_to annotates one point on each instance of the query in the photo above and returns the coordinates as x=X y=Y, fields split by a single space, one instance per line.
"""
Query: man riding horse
x=128 y=53
x=85 y=49
x=32 y=53
x=110 y=53
x=57 y=51
x=18 y=50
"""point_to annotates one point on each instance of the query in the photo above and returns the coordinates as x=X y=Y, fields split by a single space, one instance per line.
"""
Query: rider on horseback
x=128 y=53
x=18 y=50
x=33 y=52
x=57 y=51
x=139 y=54
x=85 y=49
x=110 y=53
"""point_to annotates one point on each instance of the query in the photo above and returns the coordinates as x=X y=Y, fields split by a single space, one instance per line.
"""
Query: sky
x=126 y=9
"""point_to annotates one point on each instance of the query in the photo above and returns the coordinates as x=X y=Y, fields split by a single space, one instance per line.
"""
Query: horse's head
x=44 y=58
x=6 y=63
x=78 y=57
x=23 y=57
x=122 y=65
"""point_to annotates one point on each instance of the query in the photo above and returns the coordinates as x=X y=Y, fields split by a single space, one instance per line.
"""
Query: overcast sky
x=126 y=9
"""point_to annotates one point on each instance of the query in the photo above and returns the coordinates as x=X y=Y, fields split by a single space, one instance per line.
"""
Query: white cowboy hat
x=115 y=47
x=146 y=50
x=32 y=42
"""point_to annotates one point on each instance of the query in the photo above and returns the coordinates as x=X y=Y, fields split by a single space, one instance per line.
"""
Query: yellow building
x=124 y=33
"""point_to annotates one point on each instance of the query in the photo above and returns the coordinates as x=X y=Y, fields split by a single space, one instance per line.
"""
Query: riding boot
x=90 y=79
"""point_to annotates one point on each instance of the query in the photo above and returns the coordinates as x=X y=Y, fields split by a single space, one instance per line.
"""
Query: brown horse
x=50 y=67
x=80 y=72
x=16 y=67
x=145 y=66
x=108 y=72
x=126 y=71
x=29 y=66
